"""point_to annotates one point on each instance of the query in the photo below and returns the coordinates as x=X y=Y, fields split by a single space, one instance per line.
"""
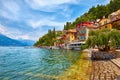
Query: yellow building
x=104 y=23
x=115 y=19
x=70 y=35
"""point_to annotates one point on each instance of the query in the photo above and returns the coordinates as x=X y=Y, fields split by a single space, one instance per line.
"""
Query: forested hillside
x=48 y=39
x=94 y=13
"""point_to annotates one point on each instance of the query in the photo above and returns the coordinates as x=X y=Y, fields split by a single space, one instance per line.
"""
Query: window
x=72 y=36
x=82 y=31
x=82 y=37
x=99 y=24
x=105 y=26
x=105 y=22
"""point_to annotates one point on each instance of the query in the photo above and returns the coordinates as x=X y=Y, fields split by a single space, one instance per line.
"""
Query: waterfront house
x=104 y=23
x=115 y=19
x=57 y=43
x=83 y=30
x=70 y=35
x=114 y=16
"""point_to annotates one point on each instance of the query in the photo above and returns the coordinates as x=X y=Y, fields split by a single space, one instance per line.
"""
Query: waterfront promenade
x=106 y=69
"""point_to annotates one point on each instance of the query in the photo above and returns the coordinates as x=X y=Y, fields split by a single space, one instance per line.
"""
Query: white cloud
x=9 y=9
x=12 y=6
x=51 y=2
x=12 y=32
x=44 y=22
x=9 y=31
x=48 y=5
x=18 y=34
x=25 y=36
x=2 y=29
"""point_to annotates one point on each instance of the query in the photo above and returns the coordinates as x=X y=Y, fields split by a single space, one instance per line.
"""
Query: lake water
x=19 y=63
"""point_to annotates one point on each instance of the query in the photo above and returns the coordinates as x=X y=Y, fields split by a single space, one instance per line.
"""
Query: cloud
x=49 y=5
x=9 y=31
x=12 y=32
x=2 y=29
x=9 y=9
x=30 y=19
x=44 y=22
x=15 y=33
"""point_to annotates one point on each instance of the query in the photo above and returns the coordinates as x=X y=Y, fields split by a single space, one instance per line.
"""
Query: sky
x=31 y=19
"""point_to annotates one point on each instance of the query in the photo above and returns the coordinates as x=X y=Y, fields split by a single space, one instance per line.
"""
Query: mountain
x=27 y=42
x=6 y=41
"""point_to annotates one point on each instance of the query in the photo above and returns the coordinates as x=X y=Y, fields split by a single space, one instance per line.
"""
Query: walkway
x=105 y=69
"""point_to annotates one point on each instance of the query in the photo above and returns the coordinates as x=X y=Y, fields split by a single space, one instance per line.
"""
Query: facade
x=115 y=19
x=83 y=30
x=104 y=23
x=70 y=35
x=57 y=43
x=114 y=16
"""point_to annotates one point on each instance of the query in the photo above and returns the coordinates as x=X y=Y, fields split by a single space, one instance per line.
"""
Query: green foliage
x=84 y=47
x=95 y=13
x=47 y=40
x=104 y=39
x=114 y=5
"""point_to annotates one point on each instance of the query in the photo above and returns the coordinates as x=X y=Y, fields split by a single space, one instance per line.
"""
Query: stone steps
x=116 y=61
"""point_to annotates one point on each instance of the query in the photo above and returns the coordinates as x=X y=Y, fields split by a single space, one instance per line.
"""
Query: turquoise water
x=19 y=63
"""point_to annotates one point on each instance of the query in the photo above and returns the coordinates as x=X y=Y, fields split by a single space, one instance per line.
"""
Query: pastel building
x=114 y=16
x=115 y=19
x=104 y=23
x=83 y=30
x=70 y=35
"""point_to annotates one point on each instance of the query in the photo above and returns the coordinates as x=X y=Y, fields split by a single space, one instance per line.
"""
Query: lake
x=22 y=63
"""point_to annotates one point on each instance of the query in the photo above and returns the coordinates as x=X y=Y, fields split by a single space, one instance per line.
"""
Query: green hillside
x=94 y=13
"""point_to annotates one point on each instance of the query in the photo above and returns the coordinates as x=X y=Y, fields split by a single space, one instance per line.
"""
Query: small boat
x=75 y=45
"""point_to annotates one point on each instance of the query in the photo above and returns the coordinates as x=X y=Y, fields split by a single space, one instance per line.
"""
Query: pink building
x=83 y=30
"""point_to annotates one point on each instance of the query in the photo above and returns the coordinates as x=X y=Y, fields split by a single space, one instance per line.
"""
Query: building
x=57 y=43
x=104 y=23
x=115 y=19
x=70 y=35
x=67 y=37
x=114 y=16
x=83 y=30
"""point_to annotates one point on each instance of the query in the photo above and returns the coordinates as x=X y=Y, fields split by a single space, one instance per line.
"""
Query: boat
x=75 y=45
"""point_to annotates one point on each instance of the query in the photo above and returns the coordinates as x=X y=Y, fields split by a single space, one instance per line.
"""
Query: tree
x=104 y=39
x=114 y=5
x=67 y=26
x=54 y=33
x=47 y=39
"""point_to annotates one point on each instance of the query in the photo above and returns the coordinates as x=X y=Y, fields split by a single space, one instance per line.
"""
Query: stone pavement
x=104 y=70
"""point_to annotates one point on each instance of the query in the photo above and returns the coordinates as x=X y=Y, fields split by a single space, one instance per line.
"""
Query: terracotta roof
x=93 y=27
x=103 y=19
x=72 y=30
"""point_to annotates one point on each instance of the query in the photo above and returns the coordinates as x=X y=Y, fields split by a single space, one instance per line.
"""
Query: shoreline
x=80 y=70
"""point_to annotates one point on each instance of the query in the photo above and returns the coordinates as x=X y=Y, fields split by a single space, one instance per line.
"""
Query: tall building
x=83 y=30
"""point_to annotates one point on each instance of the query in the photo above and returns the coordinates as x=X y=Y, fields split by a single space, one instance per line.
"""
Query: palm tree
x=104 y=39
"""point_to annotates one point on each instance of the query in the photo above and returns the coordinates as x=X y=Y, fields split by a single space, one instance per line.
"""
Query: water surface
x=19 y=63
